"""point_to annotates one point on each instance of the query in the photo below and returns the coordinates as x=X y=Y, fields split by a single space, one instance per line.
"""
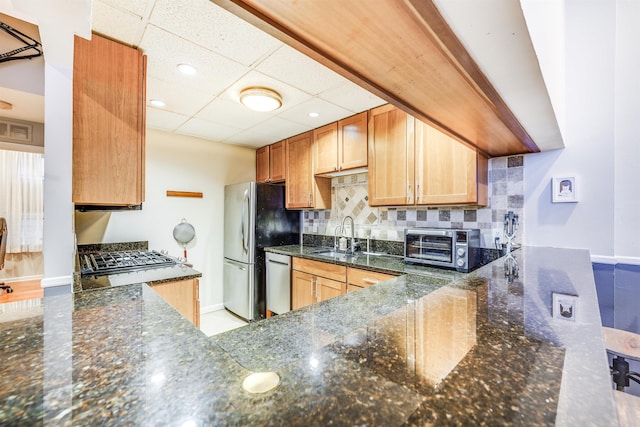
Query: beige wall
x=183 y=163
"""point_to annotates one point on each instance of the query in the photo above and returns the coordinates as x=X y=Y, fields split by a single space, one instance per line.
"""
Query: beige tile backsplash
x=350 y=197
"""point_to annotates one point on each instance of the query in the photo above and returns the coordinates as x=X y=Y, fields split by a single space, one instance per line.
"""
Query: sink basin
x=328 y=253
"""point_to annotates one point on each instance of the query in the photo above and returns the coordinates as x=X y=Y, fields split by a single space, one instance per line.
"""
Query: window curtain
x=21 y=199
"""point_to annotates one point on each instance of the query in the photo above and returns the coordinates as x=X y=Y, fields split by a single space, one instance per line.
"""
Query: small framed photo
x=564 y=189
x=565 y=307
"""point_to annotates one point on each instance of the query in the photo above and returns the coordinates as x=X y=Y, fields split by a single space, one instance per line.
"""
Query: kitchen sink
x=336 y=255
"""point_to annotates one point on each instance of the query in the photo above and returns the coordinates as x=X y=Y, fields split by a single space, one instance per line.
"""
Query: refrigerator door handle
x=245 y=202
x=237 y=265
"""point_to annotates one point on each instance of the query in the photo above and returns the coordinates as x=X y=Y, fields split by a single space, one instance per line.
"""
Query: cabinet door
x=352 y=142
x=353 y=288
x=446 y=170
x=108 y=123
x=303 y=190
x=262 y=164
x=391 y=170
x=277 y=165
x=303 y=291
x=183 y=296
x=327 y=288
x=325 y=148
x=364 y=278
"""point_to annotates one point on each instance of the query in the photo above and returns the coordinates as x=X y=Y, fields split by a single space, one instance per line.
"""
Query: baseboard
x=49 y=282
x=211 y=308
x=21 y=279
x=613 y=260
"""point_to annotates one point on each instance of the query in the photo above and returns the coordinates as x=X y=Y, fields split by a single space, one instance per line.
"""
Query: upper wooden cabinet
x=303 y=189
x=391 y=165
x=270 y=163
x=341 y=146
x=108 y=123
x=411 y=163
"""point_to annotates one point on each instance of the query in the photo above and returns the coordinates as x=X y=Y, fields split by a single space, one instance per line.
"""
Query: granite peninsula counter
x=474 y=349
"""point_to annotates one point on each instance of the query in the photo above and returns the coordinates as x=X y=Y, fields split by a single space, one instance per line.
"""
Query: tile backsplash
x=350 y=197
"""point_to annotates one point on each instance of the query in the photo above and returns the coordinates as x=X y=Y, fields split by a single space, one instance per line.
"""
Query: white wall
x=177 y=162
x=597 y=128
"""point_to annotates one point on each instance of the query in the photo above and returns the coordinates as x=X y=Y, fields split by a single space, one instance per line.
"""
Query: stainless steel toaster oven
x=443 y=247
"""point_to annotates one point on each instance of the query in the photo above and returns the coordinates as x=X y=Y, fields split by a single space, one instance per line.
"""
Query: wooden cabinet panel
x=446 y=170
x=323 y=269
x=364 y=278
x=183 y=295
x=391 y=172
x=108 y=123
x=325 y=148
x=352 y=142
x=327 y=288
x=303 y=189
x=302 y=289
x=277 y=165
x=353 y=288
x=262 y=164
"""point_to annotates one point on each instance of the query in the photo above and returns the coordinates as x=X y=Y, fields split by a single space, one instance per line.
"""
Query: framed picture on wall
x=563 y=189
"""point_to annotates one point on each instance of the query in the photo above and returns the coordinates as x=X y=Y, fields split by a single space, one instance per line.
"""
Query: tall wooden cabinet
x=303 y=189
x=270 y=163
x=412 y=163
x=108 y=123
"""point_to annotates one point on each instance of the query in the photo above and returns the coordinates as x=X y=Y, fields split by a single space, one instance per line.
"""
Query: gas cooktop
x=103 y=263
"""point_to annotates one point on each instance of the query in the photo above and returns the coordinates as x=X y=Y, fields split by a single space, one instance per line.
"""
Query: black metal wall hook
x=30 y=44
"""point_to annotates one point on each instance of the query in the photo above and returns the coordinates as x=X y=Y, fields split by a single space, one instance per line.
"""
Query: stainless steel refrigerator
x=254 y=218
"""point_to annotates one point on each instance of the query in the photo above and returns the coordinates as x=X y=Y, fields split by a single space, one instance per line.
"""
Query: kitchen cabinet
x=303 y=189
x=108 y=123
x=184 y=296
x=270 y=163
x=412 y=163
x=341 y=146
x=391 y=166
x=358 y=278
x=447 y=171
x=314 y=281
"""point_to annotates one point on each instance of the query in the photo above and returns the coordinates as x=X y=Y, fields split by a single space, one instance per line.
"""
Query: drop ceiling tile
x=300 y=71
x=178 y=99
x=251 y=139
x=327 y=113
x=214 y=28
x=165 y=51
x=232 y=113
x=278 y=128
x=207 y=130
x=138 y=7
x=352 y=97
x=116 y=23
x=164 y=120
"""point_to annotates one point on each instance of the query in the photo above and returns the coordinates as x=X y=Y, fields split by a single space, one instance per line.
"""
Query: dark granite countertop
x=151 y=276
x=475 y=349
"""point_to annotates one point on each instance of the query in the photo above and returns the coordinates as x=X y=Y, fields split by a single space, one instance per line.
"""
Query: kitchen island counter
x=473 y=349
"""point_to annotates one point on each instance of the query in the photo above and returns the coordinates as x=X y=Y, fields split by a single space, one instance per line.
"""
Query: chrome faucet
x=335 y=236
x=354 y=244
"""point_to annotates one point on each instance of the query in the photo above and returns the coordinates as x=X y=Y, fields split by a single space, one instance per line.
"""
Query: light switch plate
x=565 y=307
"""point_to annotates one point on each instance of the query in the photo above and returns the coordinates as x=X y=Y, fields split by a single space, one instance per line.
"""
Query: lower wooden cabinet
x=314 y=281
x=363 y=278
x=184 y=296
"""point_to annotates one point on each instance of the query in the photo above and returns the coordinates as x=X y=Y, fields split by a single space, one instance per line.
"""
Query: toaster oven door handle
x=430 y=233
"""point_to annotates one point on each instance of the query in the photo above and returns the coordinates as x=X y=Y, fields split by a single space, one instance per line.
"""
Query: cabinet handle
x=370 y=281
x=335 y=168
x=309 y=199
x=408 y=193
x=417 y=192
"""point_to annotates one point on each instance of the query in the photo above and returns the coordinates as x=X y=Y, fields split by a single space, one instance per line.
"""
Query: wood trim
x=321 y=269
x=173 y=193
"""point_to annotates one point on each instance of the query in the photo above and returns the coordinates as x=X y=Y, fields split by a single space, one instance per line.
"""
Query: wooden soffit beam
x=402 y=51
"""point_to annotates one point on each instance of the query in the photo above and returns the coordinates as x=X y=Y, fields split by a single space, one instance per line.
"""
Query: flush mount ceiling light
x=157 y=103
x=260 y=98
x=187 y=69
x=4 y=105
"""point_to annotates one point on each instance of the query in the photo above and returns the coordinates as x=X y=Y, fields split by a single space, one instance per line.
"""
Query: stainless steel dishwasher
x=278 y=283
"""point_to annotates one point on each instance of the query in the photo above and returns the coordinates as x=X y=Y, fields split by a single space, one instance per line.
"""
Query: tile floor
x=219 y=321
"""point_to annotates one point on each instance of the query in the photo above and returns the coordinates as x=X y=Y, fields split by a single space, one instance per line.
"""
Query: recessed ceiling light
x=314 y=114
x=187 y=69
x=261 y=99
x=157 y=103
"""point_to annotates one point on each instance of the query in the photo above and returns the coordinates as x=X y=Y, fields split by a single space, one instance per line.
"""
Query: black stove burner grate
x=122 y=262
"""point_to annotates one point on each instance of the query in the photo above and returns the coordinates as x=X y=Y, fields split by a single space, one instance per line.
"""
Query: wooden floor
x=24 y=290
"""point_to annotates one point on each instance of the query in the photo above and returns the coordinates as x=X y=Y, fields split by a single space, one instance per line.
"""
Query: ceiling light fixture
x=157 y=103
x=187 y=69
x=314 y=114
x=260 y=98
x=4 y=105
